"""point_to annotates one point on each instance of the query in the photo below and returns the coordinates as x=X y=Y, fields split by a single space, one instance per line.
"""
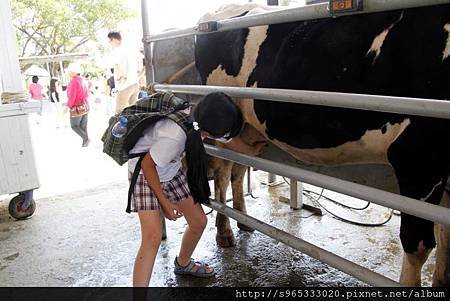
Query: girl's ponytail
x=197 y=167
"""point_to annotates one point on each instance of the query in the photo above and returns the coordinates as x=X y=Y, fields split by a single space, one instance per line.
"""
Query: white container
x=18 y=171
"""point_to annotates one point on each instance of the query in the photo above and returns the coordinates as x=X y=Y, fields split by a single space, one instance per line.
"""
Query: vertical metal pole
x=249 y=180
x=48 y=69
x=10 y=78
x=296 y=190
x=271 y=178
x=149 y=72
x=163 y=224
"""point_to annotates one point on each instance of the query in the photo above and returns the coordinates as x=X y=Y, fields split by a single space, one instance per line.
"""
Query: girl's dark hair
x=35 y=79
x=218 y=115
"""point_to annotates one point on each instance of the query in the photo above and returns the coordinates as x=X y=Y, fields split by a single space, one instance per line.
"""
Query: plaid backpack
x=140 y=116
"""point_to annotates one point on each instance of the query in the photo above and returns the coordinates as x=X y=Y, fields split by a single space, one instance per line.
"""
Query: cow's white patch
x=232 y=10
x=446 y=52
x=379 y=40
x=219 y=77
x=256 y=36
x=370 y=148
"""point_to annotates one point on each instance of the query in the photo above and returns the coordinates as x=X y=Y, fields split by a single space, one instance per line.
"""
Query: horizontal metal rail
x=404 y=204
x=303 y=246
x=308 y=12
x=400 y=105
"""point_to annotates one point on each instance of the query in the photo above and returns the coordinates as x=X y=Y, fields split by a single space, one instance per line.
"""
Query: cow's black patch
x=332 y=55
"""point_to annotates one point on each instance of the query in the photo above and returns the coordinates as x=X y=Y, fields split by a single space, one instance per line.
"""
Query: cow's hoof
x=245 y=228
x=225 y=241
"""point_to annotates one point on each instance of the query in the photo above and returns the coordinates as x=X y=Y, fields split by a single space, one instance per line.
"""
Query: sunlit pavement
x=80 y=234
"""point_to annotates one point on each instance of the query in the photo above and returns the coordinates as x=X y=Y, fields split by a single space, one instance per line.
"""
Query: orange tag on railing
x=342 y=6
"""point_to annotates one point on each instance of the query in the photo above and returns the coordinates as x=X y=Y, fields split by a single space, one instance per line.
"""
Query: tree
x=46 y=27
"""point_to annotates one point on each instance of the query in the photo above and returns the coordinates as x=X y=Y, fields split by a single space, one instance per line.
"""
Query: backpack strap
x=182 y=119
x=175 y=113
x=134 y=177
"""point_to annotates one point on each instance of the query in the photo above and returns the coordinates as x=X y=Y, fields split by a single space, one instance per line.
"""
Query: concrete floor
x=80 y=234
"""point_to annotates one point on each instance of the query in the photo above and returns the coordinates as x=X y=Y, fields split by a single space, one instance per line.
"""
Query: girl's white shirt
x=165 y=141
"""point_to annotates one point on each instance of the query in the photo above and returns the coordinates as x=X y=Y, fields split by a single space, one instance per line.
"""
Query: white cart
x=17 y=166
x=18 y=173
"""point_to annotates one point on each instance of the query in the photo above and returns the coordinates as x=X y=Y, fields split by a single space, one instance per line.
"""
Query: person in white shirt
x=163 y=188
x=128 y=68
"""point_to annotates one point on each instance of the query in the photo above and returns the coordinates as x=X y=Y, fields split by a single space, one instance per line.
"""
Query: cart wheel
x=15 y=207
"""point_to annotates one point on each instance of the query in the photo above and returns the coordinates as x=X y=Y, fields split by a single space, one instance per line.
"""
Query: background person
x=36 y=91
x=111 y=93
x=127 y=69
x=77 y=102
x=55 y=91
x=110 y=84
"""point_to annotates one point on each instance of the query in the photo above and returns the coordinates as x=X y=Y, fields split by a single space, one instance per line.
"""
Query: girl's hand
x=170 y=210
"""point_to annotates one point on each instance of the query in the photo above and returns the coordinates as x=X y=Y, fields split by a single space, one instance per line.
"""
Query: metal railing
x=395 y=201
x=400 y=105
x=316 y=11
x=305 y=247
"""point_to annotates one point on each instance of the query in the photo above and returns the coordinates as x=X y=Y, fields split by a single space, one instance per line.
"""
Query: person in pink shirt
x=36 y=91
x=77 y=94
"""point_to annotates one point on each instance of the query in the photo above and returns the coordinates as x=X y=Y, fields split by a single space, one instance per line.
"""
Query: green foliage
x=63 y=26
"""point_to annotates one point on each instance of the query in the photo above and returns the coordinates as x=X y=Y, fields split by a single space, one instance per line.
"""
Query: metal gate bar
x=303 y=246
x=404 y=204
x=308 y=12
x=401 y=105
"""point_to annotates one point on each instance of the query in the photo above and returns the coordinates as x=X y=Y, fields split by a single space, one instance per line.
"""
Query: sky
x=166 y=14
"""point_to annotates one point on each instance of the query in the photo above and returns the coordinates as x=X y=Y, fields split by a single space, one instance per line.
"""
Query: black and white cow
x=397 y=53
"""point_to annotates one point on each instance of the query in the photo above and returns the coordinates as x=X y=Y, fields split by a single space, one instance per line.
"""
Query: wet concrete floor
x=86 y=239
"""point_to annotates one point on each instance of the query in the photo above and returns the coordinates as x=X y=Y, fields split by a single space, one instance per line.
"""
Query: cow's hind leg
x=417 y=234
x=416 y=251
x=441 y=276
x=222 y=172
x=421 y=166
x=237 y=183
x=249 y=135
